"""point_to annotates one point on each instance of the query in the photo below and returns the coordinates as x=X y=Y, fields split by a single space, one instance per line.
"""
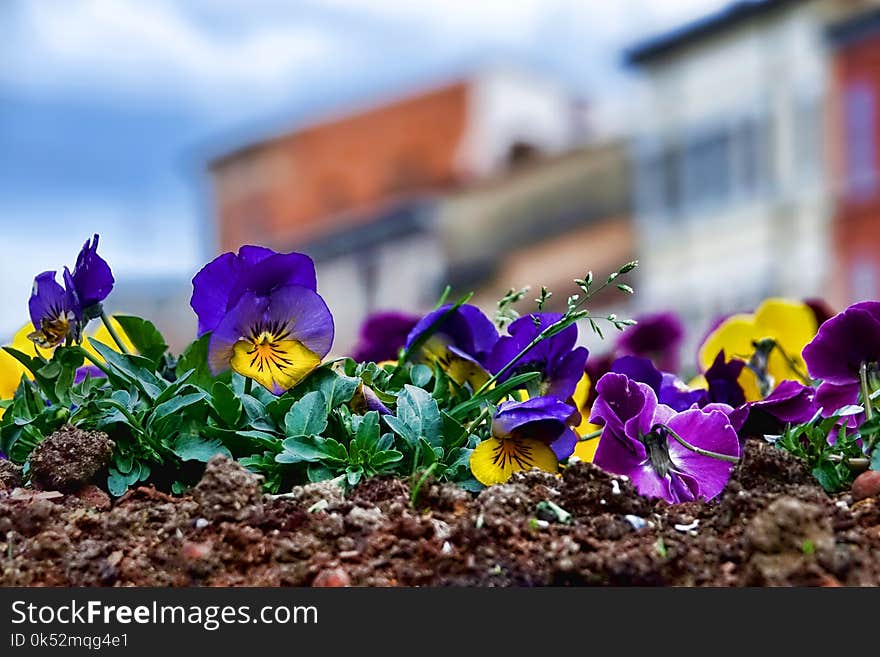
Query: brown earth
x=772 y=526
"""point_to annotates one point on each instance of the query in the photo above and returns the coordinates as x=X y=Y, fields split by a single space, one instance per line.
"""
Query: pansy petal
x=844 y=342
x=710 y=431
x=276 y=368
x=639 y=369
x=493 y=461
x=564 y=445
x=92 y=278
x=211 y=291
x=310 y=320
x=272 y=273
x=831 y=397
x=512 y=417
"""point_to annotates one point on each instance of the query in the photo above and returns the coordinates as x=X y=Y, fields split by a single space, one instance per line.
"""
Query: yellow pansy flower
x=770 y=341
x=585 y=450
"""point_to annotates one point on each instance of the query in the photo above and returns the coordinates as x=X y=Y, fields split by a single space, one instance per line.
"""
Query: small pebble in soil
x=689 y=527
x=332 y=578
x=866 y=485
x=637 y=522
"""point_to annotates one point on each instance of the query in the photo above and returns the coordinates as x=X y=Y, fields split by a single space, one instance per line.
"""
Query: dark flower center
x=657 y=447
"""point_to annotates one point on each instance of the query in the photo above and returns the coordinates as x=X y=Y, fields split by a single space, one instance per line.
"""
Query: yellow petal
x=792 y=325
x=276 y=365
x=698 y=383
x=10 y=369
x=585 y=450
x=494 y=460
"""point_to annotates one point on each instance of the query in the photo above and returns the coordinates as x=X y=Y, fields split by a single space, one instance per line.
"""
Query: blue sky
x=110 y=108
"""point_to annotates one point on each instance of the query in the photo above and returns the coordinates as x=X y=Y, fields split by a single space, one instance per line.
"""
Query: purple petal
x=48 y=299
x=625 y=407
x=466 y=328
x=562 y=365
x=92 y=371
x=382 y=336
x=737 y=416
x=844 y=342
x=219 y=285
x=639 y=369
x=831 y=397
x=710 y=431
x=675 y=394
x=92 y=278
x=723 y=381
x=564 y=445
x=517 y=417
x=657 y=336
x=791 y=401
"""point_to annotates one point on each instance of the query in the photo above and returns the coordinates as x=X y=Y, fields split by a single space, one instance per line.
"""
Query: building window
x=707 y=170
x=860 y=116
x=657 y=181
x=809 y=138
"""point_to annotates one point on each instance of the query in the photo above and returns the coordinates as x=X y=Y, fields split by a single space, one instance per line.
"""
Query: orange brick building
x=856 y=158
x=338 y=173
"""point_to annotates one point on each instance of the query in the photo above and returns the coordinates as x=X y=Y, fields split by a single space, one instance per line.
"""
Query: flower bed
x=461 y=456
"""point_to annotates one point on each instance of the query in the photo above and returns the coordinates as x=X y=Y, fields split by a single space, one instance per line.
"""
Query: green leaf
x=226 y=404
x=195 y=358
x=336 y=388
x=308 y=416
x=174 y=406
x=402 y=429
x=311 y=448
x=418 y=410
x=117 y=483
x=135 y=369
x=385 y=458
x=367 y=435
x=420 y=375
x=875 y=459
x=354 y=474
x=826 y=475
x=317 y=472
x=145 y=337
x=190 y=447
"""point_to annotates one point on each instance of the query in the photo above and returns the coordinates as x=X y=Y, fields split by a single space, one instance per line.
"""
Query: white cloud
x=141 y=48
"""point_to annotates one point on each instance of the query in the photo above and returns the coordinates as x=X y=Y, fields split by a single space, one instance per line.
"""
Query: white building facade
x=729 y=161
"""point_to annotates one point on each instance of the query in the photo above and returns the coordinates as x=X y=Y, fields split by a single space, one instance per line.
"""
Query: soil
x=773 y=525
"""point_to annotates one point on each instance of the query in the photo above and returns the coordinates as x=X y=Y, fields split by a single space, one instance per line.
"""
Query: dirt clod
x=69 y=459
x=227 y=491
x=10 y=475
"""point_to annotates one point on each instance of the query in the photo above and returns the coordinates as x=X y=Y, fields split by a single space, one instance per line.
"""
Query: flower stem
x=700 y=450
x=866 y=396
x=101 y=365
x=113 y=333
x=473 y=425
x=590 y=436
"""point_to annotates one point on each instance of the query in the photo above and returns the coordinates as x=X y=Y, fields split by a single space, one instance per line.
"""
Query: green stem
x=590 y=436
x=414 y=496
x=113 y=333
x=700 y=450
x=128 y=416
x=866 y=396
x=473 y=425
x=101 y=365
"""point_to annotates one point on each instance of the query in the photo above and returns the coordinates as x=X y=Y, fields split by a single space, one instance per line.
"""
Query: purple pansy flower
x=220 y=285
x=532 y=434
x=842 y=346
x=638 y=441
x=560 y=362
x=670 y=390
x=460 y=343
x=266 y=319
x=657 y=336
x=60 y=312
x=382 y=336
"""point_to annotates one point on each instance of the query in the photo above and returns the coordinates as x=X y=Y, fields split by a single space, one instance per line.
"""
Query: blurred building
x=361 y=192
x=855 y=39
x=729 y=159
x=544 y=222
